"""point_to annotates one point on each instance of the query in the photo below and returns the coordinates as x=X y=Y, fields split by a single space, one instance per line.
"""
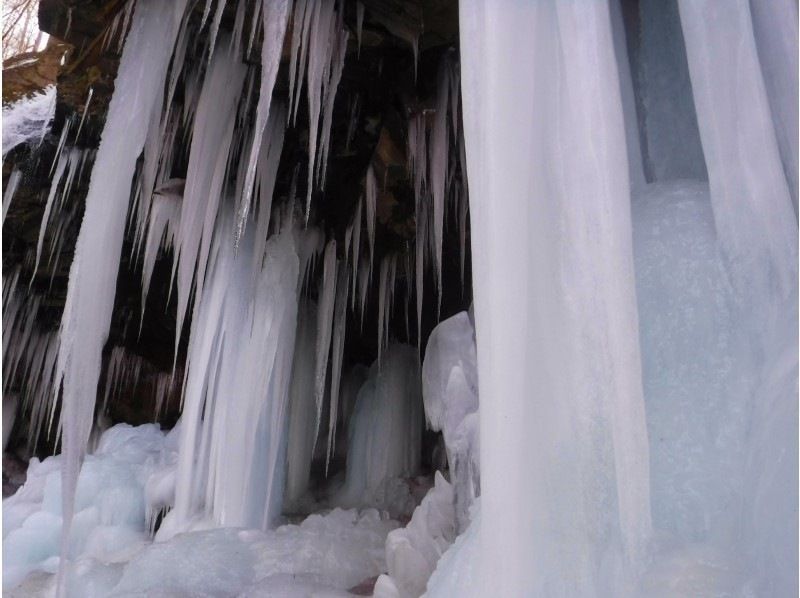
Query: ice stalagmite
x=757 y=230
x=92 y=281
x=564 y=465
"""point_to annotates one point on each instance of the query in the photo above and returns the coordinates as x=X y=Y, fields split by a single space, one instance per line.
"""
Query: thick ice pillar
x=564 y=453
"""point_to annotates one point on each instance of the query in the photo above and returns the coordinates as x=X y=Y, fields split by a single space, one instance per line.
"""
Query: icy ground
x=28 y=119
x=124 y=483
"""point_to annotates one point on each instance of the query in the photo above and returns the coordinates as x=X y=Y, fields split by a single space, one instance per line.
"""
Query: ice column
x=564 y=457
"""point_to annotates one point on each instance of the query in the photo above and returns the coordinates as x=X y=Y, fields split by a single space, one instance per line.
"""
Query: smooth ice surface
x=562 y=411
x=27 y=120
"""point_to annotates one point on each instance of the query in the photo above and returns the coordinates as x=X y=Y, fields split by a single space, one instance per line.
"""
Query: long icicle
x=92 y=281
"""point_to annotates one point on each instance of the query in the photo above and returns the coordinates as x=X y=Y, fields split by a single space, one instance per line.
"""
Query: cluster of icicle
x=240 y=263
x=126 y=371
x=29 y=358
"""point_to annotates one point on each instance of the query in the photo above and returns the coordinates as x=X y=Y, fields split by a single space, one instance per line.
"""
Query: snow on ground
x=125 y=482
x=27 y=119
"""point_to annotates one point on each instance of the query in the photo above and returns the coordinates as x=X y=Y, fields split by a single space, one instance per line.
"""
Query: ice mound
x=28 y=118
x=385 y=434
x=450 y=396
x=110 y=504
x=123 y=487
x=413 y=551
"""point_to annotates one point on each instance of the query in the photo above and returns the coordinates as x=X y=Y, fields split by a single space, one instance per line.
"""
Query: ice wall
x=565 y=493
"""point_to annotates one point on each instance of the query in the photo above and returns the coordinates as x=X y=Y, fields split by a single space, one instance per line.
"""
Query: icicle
x=775 y=30
x=437 y=167
x=383 y=284
x=352 y=122
x=339 y=327
x=205 y=177
x=92 y=281
x=325 y=313
x=749 y=193
x=337 y=64
x=85 y=111
x=60 y=146
x=300 y=20
x=371 y=194
x=359 y=24
x=419 y=256
x=60 y=169
x=275 y=14
x=11 y=188
x=356 y=246
x=215 y=28
x=241 y=345
x=301 y=406
x=318 y=63
x=255 y=20
x=363 y=286
x=463 y=207
x=163 y=224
